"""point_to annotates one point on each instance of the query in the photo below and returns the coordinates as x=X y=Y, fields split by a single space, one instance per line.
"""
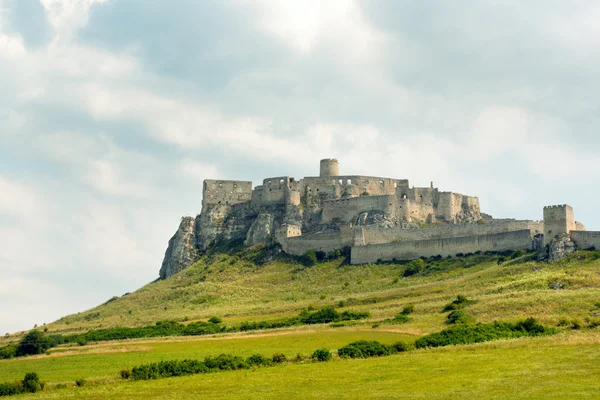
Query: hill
x=237 y=287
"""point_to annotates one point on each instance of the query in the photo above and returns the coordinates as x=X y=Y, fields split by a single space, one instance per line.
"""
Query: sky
x=113 y=112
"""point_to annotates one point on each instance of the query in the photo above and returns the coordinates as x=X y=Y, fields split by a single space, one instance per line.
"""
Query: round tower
x=329 y=167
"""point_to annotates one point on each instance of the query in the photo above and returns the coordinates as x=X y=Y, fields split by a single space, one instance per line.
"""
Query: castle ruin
x=379 y=219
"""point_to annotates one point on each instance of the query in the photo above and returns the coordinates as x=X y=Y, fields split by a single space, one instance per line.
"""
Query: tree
x=35 y=342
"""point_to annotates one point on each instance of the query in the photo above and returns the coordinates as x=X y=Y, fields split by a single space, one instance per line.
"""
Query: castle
x=379 y=219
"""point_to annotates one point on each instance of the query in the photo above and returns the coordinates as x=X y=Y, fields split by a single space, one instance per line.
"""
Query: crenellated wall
x=518 y=240
x=558 y=219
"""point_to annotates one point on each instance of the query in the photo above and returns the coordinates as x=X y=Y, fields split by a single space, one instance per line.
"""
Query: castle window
x=281 y=181
x=381 y=182
x=349 y=181
x=404 y=196
x=395 y=184
x=341 y=182
x=220 y=185
x=235 y=185
x=269 y=182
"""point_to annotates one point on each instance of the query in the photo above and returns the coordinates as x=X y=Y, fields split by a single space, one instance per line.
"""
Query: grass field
x=561 y=366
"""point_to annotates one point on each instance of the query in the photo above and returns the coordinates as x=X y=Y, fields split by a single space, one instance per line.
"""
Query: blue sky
x=113 y=112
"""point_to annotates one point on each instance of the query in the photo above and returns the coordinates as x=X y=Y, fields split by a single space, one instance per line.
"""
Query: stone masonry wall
x=346 y=210
x=586 y=239
x=226 y=192
x=445 y=247
x=373 y=234
x=327 y=241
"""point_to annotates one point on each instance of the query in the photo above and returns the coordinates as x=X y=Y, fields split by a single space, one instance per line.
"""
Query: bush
x=321 y=355
x=31 y=383
x=80 y=382
x=400 y=347
x=259 y=360
x=125 y=373
x=365 y=349
x=408 y=309
x=310 y=258
x=279 y=358
x=215 y=320
x=8 y=351
x=414 y=267
x=517 y=254
x=457 y=317
x=465 y=334
x=35 y=342
x=458 y=303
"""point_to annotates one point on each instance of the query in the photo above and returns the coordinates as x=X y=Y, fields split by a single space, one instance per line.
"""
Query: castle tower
x=557 y=220
x=329 y=167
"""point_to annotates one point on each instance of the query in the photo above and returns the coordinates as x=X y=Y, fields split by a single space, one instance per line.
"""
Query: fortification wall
x=586 y=239
x=226 y=192
x=275 y=190
x=445 y=247
x=373 y=234
x=346 y=210
x=351 y=185
x=326 y=241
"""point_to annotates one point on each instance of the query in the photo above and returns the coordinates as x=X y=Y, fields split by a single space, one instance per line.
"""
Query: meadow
x=565 y=295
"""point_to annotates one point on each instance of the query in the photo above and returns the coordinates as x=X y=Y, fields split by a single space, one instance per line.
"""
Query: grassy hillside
x=564 y=295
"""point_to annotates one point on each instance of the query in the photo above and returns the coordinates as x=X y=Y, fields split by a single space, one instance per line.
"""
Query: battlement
x=558 y=219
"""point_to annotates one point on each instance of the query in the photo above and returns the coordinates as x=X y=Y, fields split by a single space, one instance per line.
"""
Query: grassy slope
x=237 y=291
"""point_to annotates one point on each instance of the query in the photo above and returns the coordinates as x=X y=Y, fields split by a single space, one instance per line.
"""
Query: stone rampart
x=226 y=192
x=374 y=234
x=326 y=241
x=445 y=247
x=346 y=210
x=586 y=239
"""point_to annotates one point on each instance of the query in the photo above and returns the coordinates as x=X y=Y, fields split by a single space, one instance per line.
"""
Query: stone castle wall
x=325 y=241
x=226 y=192
x=346 y=210
x=586 y=239
x=558 y=219
x=445 y=247
x=373 y=234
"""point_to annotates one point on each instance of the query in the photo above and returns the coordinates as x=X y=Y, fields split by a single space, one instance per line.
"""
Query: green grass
x=562 y=366
x=550 y=368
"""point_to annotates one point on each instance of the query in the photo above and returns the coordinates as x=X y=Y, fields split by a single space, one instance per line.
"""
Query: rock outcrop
x=558 y=248
x=182 y=250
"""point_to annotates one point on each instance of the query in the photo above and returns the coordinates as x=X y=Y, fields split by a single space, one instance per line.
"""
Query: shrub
x=310 y=258
x=225 y=362
x=322 y=316
x=31 y=383
x=125 y=373
x=10 y=389
x=321 y=255
x=258 y=360
x=279 y=358
x=517 y=254
x=458 y=303
x=321 y=355
x=8 y=351
x=465 y=334
x=457 y=317
x=80 y=382
x=400 y=347
x=364 y=349
x=414 y=267
x=408 y=309
x=35 y=342
x=215 y=320
x=400 y=318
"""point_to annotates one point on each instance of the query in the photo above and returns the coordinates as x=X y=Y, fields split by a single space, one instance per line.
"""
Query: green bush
x=125 y=373
x=400 y=347
x=259 y=360
x=414 y=267
x=408 y=309
x=321 y=355
x=365 y=349
x=215 y=320
x=279 y=358
x=30 y=384
x=465 y=334
x=458 y=303
x=80 y=382
x=35 y=342
x=457 y=317
x=8 y=351
x=310 y=258
x=517 y=254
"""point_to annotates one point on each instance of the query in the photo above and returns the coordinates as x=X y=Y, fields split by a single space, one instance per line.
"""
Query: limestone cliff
x=182 y=250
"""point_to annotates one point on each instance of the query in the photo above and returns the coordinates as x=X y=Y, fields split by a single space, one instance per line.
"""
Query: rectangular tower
x=557 y=220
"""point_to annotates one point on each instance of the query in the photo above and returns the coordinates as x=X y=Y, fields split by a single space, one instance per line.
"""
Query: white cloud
x=66 y=16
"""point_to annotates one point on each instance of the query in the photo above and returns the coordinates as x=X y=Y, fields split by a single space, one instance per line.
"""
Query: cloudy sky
x=113 y=112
